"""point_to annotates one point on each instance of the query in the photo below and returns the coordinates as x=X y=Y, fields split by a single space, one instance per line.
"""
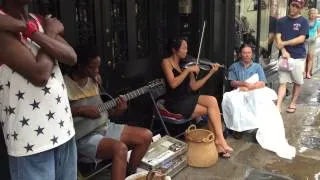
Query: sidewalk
x=251 y=162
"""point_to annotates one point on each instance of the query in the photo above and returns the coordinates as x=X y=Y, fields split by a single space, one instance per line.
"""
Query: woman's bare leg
x=201 y=111
x=309 y=65
x=208 y=105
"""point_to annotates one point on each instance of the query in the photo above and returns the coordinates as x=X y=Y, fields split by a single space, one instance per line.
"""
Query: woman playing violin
x=182 y=97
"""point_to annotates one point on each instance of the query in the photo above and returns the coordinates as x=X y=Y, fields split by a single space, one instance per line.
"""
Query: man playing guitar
x=109 y=141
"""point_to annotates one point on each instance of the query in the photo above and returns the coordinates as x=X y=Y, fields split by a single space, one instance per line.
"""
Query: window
x=267 y=24
x=246 y=22
x=276 y=9
x=246 y=14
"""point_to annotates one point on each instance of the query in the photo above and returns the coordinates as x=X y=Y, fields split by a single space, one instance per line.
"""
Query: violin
x=203 y=64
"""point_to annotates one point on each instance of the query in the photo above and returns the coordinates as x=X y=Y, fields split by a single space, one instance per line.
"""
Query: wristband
x=32 y=27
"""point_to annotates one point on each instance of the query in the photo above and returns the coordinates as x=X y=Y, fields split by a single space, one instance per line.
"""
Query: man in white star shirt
x=34 y=108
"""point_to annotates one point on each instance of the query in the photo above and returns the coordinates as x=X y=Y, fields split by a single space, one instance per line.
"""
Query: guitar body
x=83 y=125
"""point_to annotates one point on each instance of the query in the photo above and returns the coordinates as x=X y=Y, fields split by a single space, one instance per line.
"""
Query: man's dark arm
x=120 y=109
x=88 y=111
x=11 y=24
x=52 y=43
x=15 y=55
x=57 y=48
x=115 y=112
x=76 y=111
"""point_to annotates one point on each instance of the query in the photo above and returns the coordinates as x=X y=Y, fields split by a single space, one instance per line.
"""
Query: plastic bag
x=286 y=64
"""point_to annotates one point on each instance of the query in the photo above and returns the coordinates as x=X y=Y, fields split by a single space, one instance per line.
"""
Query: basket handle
x=209 y=138
x=190 y=128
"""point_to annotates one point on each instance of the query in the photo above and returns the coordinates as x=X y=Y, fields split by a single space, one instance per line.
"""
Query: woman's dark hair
x=175 y=43
x=86 y=53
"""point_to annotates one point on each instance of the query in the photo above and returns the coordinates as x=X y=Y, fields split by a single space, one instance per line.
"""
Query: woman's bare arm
x=173 y=81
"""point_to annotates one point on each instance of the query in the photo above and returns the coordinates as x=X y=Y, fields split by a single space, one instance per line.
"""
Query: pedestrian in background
x=314 y=33
x=291 y=32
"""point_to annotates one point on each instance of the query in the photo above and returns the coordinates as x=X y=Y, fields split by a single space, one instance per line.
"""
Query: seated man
x=112 y=140
x=239 y=72
x=244 y=69
x=250 y=106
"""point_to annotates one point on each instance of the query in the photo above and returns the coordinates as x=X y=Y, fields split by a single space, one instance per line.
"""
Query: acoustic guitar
x=84 y=126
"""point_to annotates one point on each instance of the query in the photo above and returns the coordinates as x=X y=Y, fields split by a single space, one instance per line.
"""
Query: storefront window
x=311 y=3
x=267 y=25
x=245 y=22
x=269 y=16
x=246 y=13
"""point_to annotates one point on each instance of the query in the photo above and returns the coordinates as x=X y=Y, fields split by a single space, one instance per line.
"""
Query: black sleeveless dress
x=181 y=100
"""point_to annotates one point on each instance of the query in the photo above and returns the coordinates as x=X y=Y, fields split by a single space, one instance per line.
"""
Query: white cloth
x=255 y=110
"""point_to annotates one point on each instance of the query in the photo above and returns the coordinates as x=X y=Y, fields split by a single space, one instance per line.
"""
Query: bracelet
x=32 y=27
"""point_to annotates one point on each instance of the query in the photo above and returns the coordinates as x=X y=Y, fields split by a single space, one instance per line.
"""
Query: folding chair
x=164 y=120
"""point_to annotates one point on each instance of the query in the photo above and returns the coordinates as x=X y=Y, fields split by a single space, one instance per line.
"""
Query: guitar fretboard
x=113 y=103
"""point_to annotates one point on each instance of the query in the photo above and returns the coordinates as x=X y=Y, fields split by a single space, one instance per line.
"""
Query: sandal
x=308 y=76
x=224 y=155
x=291 y=109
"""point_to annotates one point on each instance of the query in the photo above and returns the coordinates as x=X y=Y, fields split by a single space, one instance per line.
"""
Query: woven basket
x=202 y=150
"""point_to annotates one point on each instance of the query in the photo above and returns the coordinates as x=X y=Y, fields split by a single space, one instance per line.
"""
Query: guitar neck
x=131 y=95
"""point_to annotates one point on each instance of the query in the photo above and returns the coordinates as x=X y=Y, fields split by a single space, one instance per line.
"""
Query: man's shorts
x=88 y=145
x=296 y=75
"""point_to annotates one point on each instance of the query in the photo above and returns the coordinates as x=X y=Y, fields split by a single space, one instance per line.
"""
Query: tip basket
x=202 y=150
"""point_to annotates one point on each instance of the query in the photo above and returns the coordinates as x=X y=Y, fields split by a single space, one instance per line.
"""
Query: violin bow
x=200 y=46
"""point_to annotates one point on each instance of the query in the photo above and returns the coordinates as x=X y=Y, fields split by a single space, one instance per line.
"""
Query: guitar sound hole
x=104 y=98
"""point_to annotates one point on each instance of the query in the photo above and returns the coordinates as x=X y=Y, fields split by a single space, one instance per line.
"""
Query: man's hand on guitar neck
x=122 y=105
x=91 y=112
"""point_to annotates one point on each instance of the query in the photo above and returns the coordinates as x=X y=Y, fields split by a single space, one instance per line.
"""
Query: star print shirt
x=34 y=119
